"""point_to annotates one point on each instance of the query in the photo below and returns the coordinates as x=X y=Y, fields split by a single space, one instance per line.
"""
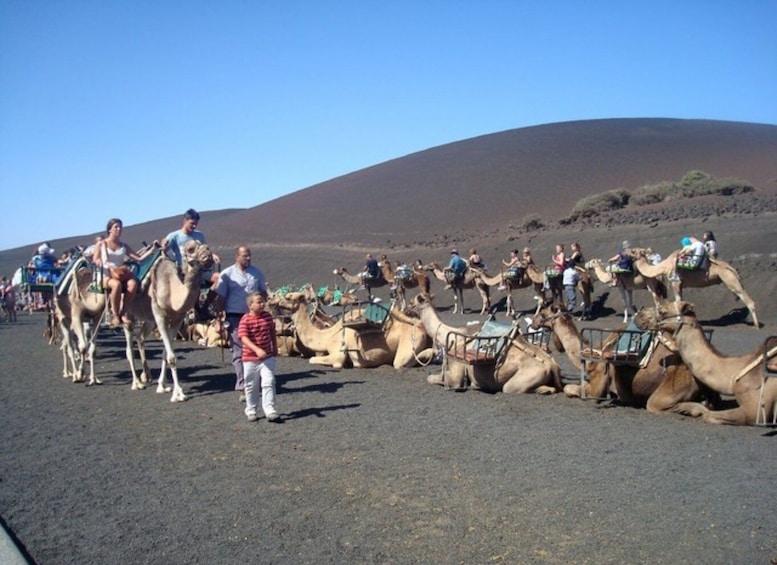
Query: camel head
x=545 y=316
x=340 y=271
x=289 y=301
x=420 y=302
x=197 y=255
x=668 y=316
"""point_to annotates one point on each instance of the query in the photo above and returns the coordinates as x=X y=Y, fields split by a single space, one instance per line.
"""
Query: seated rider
x=371 y=268
x=456 y=267
x=513 y=267
x=527 y=259
x=710 y=244
x=623 y=262
x=44 y=262
x=691 y=257
x=475 y=260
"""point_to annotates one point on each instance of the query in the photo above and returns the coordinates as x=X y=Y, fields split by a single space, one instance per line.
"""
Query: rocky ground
x=368 y=466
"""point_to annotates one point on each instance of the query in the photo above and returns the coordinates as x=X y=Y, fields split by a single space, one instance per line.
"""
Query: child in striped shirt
x=257 y=334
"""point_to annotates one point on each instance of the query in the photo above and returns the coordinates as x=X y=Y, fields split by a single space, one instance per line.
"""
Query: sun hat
x=625 y=244
x=44 y=249
x=454 y=251
x=686 y=241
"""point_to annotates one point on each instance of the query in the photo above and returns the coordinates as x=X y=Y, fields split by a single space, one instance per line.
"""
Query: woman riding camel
x=111 y=254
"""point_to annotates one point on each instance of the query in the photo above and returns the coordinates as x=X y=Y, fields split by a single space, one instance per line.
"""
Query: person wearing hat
x=455 y=269
x=43 y=262
x=691 y=256
x=623 y=262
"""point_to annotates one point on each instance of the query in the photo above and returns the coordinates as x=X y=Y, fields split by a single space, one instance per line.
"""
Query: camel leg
x=733 y=417
x=740 y=293
x=129 y=339
x=167 y=332
x=86 y=348
x=523 y=383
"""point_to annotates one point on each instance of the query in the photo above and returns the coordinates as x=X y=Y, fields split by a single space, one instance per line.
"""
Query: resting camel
x=75 y=308
x=523 y=368
x=471 y=279
x=719 y=272
x=399 y=343
x=737 y=375
x=164 y=303
x=627 y=284
x=664 y=384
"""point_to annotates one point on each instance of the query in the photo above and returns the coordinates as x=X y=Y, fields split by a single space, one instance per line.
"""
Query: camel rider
x=371 y=268
x=623 y=262
x=455 y=269
x=692 y=256
x=176 y=240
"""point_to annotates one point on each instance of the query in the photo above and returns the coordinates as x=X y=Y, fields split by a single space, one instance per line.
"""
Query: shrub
x=604 y=202
x=532 y=222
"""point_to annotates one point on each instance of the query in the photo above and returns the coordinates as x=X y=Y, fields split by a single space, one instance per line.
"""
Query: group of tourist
x=240 y=291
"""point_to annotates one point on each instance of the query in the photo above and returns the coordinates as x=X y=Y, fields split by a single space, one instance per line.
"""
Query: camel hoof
x=179 y=397
x=160 y=389
x=138 y=386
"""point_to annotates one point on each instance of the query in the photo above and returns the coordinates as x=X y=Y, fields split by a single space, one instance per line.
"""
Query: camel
x=369 y=283
x=164 y=303
x=399 y=343
x=417 y=279
x=522 y=368
x=719 y=272
x=534 y=278
x=75 y=308
x=739 y=375
x=662 y=384
x=627 y=284
x=471 y=279
x=509 y=284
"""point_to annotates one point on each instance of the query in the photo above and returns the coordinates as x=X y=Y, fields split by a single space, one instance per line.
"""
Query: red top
x=261 y=331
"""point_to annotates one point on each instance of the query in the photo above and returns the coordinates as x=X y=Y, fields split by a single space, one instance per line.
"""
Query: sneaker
x=241 y=397
x=502 y=287
x=252 y=417
x=273 y=417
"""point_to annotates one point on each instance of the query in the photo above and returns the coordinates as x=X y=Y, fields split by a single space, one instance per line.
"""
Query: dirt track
x=370 y=466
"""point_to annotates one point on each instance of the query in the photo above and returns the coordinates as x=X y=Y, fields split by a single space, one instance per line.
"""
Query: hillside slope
x=475 y=193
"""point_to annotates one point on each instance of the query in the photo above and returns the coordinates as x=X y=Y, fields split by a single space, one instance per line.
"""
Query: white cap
x=44 y=249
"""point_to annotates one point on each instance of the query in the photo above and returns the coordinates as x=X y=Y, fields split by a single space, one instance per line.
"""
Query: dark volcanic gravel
x=369 y=466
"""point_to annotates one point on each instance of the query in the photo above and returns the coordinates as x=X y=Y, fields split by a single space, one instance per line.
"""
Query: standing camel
x=76 y=308
x=663 y=384
x=512 y=283
x=471 y=279
x=164 y=303
x=739 y=375
x=627 y=284
x=368 y=282
x=719 y=272
x=523 y=367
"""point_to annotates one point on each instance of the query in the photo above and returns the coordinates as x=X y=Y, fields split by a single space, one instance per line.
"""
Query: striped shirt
x=261 y=331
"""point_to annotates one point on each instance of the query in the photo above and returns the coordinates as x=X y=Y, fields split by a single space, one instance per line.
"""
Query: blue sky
x=141 y=109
